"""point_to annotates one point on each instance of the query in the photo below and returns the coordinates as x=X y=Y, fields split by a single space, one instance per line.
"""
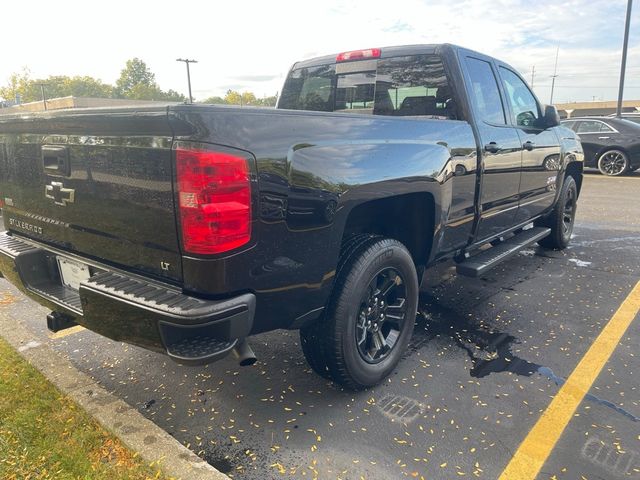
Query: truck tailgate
x=94 y=183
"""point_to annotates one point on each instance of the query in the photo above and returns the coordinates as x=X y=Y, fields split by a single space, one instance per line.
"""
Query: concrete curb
x=130 y=426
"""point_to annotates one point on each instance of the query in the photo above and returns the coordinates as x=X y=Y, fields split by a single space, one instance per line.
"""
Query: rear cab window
x=411 y=85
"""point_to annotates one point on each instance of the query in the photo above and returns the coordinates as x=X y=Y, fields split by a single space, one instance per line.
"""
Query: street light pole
x=624 y=58
x=44 y=97
x=553 y=77
x=187 y=62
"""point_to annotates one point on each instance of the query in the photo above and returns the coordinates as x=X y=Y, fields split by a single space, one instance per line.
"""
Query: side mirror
x=551 y=116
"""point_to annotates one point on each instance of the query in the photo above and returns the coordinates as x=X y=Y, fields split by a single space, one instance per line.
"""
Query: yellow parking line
x=541 y=439
x=66 y=332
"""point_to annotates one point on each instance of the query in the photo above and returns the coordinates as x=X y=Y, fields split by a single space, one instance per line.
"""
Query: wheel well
x=407 y=218
x=574 y=169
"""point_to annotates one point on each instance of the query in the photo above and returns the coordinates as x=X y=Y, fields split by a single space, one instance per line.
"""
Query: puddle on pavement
x=488 y=349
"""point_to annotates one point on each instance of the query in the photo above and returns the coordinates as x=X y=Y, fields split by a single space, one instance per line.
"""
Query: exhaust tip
x=247 y=362
x=244 y=353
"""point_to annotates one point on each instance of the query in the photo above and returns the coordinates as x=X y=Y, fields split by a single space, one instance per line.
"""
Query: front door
x=501 y=149
x=541 y=147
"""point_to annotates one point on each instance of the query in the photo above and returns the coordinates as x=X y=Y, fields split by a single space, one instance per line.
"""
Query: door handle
x=604 y=138
x=528 y=146
x=55 y=160
x=492 y=147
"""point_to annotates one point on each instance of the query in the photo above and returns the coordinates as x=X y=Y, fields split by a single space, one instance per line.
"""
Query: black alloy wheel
x=382 y=315
x=562 y=218
x=368 y=321
x=569 y=212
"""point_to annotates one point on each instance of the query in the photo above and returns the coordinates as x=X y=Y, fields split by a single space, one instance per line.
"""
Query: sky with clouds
x=250 y=44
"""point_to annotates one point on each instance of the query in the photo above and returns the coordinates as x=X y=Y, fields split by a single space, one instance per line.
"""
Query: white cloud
x=251 y=44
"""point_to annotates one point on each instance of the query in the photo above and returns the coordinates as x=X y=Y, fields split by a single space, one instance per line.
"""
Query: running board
x=481 y=263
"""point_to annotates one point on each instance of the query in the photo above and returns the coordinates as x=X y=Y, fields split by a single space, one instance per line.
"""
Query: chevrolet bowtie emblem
x=59 y=194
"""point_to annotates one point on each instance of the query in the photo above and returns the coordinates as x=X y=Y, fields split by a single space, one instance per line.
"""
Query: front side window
x=485 y=95
x=591 y=126
x=524 y=107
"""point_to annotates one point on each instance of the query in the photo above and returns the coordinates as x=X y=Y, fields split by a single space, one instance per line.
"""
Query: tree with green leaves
x=216 y=100
x=20 y=85
x=28 y=89
x=138 y=82
x=135 y=79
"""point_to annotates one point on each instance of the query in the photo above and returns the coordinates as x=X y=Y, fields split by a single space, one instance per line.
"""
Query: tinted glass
x=570 y=124
x=524 y=106
x=400 y=86
x=591 y=126
x=485 y=95
x=413 y=85
x=309 y=88
x=355 y=92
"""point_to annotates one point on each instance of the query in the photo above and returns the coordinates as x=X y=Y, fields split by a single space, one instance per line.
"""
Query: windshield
x=414 y=85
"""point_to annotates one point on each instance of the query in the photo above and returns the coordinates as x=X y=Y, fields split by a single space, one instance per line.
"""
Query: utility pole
x=624 y=58
x=555 y=74
x=533 y=75
x=187 y=62
x=44 y=97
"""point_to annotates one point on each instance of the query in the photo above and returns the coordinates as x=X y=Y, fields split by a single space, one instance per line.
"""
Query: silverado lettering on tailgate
x=27 y=227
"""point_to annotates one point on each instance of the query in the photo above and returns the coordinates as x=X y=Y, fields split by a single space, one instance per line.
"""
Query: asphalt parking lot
x=486 y=359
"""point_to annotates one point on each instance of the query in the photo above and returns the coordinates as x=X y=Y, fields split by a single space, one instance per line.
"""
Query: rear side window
x=591 y=126
x=397 y=86
x=485 y=95
x=570 y=124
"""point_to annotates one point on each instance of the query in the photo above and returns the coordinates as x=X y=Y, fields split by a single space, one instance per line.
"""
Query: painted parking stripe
x=542 y=438
x=66 y=332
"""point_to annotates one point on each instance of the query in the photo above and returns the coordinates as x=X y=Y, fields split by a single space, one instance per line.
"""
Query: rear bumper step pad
x=129 y=308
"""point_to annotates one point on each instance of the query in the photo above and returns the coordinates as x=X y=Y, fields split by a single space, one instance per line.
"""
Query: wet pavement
x=486 y=358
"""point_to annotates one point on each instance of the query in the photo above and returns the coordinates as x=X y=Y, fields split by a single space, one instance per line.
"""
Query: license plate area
x=72 y=272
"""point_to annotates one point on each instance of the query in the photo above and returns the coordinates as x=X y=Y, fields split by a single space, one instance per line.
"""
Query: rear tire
x=562 y=217
x=370 y=316
x=310 y=335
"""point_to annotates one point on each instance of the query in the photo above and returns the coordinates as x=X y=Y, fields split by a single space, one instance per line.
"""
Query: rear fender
x=328 y=179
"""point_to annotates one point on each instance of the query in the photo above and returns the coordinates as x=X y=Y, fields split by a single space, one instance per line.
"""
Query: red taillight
x=214 y=195
x=358 y=55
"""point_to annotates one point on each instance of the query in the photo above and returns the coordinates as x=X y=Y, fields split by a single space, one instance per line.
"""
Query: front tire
x=613 y=163
x=370 y=316
x=562 y=217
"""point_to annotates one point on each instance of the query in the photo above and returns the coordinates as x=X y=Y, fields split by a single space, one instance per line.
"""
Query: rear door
x=541 y=147
x=595 y=135
x=501 y=148
x=96 y=184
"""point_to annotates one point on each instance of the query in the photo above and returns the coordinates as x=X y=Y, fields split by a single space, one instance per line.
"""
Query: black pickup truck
x=186 y=229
